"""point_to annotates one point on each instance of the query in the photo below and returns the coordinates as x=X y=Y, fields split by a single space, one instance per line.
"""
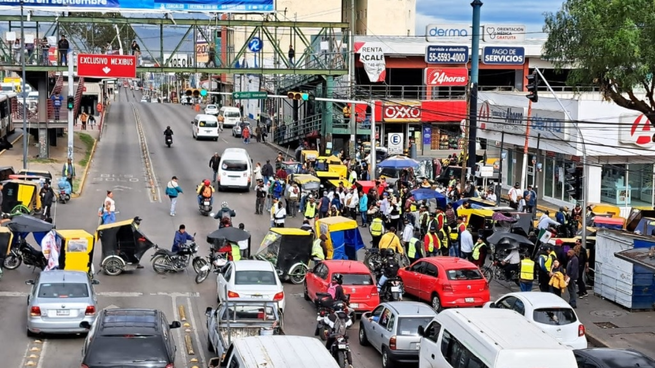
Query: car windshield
x=234 y=165
x=464 y=274
x=211 y=107
x=254 y=278
x=63 y=290
x=554 y=316
x=408 y=326
x=357 y=279
x=141 y=348
x=207 y=124
x=232 y=114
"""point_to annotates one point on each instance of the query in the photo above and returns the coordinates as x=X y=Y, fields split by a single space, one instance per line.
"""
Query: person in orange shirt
x=431 y=243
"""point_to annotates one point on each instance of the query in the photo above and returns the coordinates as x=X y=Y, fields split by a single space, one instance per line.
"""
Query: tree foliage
x=96 y=36
x=610 y=43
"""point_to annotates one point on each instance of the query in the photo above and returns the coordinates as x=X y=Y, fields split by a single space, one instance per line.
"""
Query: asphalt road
x=119 y=166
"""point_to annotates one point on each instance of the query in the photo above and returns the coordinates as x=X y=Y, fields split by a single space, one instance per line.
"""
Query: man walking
x=572 y=272
x=530 y=199
x=293 y=195
x=526 y=275
x=172 y=191
x=214 y=161
x=267 y=171
x=260 y=194
x=56 y=103
x=68 y=172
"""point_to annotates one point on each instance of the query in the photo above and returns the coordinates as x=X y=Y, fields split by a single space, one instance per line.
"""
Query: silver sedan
x=59 y=301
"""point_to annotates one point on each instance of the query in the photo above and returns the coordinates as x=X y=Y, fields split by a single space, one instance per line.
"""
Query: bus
x=8 y=105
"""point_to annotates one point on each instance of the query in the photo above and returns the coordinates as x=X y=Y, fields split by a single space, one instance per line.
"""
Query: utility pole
x=524 y=173
x=22 y=88
x=473 y=100
x=71 y=95
x=465 y=150
x=351 y=77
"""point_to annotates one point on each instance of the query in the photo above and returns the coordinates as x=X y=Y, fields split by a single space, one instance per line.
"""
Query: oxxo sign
x=446 y=77
x=401 y=113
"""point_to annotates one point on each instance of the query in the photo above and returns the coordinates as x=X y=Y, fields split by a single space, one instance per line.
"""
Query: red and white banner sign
x=446 y=77
x=401 y=112
x=103 y=66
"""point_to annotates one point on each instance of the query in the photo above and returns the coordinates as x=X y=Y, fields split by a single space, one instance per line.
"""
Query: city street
x=119 y=166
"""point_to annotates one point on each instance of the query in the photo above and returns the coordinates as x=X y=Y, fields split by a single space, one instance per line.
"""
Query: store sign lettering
x=442 y=77
x=402 y=113
x=513 y=120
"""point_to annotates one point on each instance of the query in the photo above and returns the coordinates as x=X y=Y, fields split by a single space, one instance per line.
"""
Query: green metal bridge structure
x=322 y=53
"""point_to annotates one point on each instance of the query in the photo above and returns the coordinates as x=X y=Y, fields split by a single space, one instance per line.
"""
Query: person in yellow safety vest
x=443 y=242
x=479 y=253
x=526 y=273
x=235 y=252
x=441 y=219
x=376 y=229
x=310 y=210
x=546 y=259
x=423 y=219
x=431 y=243
x=391 y=241
x=415 y=247
x=318 y=248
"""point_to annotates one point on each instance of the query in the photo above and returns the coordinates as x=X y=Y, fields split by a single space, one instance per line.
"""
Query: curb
x=13 y=142
x=86 y=170
x=596 y=341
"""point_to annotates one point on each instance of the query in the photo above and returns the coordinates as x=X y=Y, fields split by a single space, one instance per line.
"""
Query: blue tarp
x=345 y=244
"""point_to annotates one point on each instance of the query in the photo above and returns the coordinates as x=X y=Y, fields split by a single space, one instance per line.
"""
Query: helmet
x=388 y=252
x=224 y=204
x=339 y=306
x=338 y=278
x=206 y=182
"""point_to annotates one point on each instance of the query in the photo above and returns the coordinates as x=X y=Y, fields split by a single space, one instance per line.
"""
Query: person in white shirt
x=110 y=199
x=513 y=195
x=545 y=221
x=244 y=245
x=511 y=263
x=466 y=244
x=279 y=214
x=491 y=196
x=352 y=202
x=408 y=233
x=331 y=195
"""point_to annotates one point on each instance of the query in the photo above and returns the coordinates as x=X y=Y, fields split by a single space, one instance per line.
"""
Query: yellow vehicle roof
x=72 y=234
x=330 y=159
x=289 y=231
x=337 y=223
x=305 y=178
x=475 y=211
x=115 y=224
x=483 y=201
x=26 y=182
x=327 y=174
x=336 y=182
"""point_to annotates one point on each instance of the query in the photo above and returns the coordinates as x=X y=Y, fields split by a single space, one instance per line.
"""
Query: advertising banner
x=202 y=50
x=395 y=143
x=250 y=6
x=445 y=77
x=371 y=55
x=503 y=55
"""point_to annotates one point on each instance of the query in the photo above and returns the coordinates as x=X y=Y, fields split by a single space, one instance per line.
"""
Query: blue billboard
x=260 y=6
x=503 y=55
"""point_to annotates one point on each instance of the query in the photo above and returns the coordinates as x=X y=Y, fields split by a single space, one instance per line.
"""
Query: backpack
x=207 y=192
x=339 y=328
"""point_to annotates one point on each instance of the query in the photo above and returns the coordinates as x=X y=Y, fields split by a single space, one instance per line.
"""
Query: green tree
x=608 y=43
x=96 y=36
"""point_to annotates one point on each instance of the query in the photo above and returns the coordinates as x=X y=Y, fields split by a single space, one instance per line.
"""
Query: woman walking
x=172 y=191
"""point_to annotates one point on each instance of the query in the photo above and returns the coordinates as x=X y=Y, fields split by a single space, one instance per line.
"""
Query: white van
x=279 y=351
x=231 y=116
x=235 y=169
x=500 y=339
x=205 y=126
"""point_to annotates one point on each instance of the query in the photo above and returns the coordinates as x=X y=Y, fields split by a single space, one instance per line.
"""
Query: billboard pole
x=71 y=93
x=22 y=89
x=475 y=63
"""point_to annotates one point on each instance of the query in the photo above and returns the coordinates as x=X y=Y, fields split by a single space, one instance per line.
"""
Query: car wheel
x=363 y=340
x=31 y=334
x=436 y=303
x=386 y=362
x=305 y=293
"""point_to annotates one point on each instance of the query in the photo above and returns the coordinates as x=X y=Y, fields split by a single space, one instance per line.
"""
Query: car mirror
x=29 y=282
x=85 y=325
x=95 y=282
x=208 y=311
x=175 y=324
x=214 y=362
x=492 y=305
x=421 y=330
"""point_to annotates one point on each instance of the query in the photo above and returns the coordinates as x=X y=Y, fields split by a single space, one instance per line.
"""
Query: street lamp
x=22 y=89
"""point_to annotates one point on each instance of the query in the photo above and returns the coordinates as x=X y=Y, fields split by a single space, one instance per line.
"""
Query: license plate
x=354 y=305
x=342 y=346
x=208 y=131
x=63 y=312
x=395 y=289
x=206 y=203
x=469 y=300
x=257 y=296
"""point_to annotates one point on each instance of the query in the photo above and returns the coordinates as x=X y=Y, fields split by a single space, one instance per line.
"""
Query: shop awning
x=644 y=257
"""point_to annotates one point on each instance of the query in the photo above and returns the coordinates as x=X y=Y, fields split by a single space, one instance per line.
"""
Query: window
x=554 y=316
x=391 y=322
x=408 y=326
x=465 y=274
x=431 y=270
x=234 y=165
x=322 y=271
x=208 y=124
x=232 y=114
x=63 y=290
x=254 y=278
x=432 y=332
x=457 y=355
x=357 y=279
x=228 y=273
x=519 y=307
x=417 y=267
x=506 y=303
x=378 y=311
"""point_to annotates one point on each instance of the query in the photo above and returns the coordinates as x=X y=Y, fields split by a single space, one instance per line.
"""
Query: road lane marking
x=201 y=350
x=34 y=353
x=155 y=195
x=178 y=331
x=44 y=347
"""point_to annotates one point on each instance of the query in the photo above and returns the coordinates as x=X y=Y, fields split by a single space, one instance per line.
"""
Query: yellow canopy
x=78 y=249
x=327 y=175
x=331 y=160
x=288 y=231
x=305 y=178
x=332 y=224
x=115 y=224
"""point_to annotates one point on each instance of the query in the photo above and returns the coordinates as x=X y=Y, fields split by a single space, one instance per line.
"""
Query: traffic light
x=71 y=102
x=196 y=93
x=300 y=96
x=533 y=83
x=188 y=92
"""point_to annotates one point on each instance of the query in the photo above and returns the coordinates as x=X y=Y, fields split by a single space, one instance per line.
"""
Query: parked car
x=145 y=99
x=249 y=279
x=211 y=110
x=59 y=301
x=140 y=335
x=446 y=282
x=392 y=329
x=238 y=128
x=357 y=282
x=548 y=311
x=611 y=358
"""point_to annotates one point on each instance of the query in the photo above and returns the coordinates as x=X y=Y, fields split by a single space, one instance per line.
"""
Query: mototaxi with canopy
x=289 y=250
x=343 y=237
x=21 y=197
x=123 y=245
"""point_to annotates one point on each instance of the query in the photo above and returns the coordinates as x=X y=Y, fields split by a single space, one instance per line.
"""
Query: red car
x=446 y=282
x=357 y=282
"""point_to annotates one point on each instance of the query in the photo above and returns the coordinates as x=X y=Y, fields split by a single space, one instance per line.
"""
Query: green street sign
x=249 y=95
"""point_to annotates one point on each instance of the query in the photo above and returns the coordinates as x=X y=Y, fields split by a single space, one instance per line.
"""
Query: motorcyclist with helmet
x=389 y=267
x=338 y=321
x=205 y=191
x=224 y=213
x=336 y=290
x=168 y=133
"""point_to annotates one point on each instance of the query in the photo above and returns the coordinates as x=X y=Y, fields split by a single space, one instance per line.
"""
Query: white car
x=549 y=312
x=211 y=110
x=250 y=280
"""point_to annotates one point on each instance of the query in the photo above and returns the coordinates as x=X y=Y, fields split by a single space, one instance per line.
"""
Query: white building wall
x=390 y=17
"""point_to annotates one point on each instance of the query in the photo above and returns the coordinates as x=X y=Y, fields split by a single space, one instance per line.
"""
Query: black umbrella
x=29 y=224
x=500 y=236
x=228 y=233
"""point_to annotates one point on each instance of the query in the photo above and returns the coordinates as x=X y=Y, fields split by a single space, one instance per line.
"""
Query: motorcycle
x=203 y=266
x=169 y=140
x=392 y=290
x=372 y=259
x=321 y=330
x=164 y=261
x=205 y=206
x=340 y=350
x=27 y=254
x=496 y=270
x=64 y=190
